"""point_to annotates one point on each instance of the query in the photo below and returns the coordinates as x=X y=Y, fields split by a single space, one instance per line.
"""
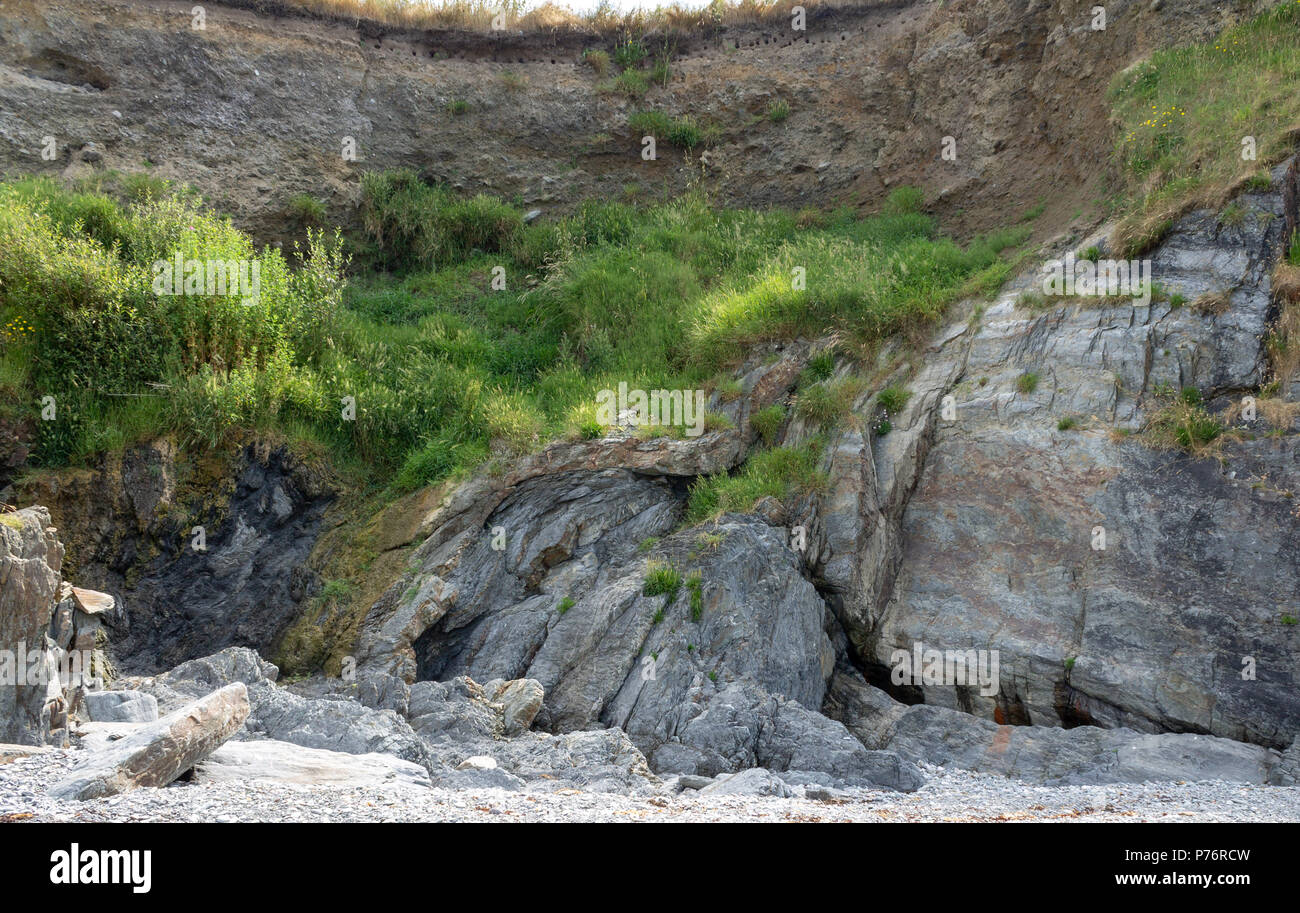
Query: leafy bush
x=630 y=53
x=307 y=210
x=417 y=224
x=443 y=369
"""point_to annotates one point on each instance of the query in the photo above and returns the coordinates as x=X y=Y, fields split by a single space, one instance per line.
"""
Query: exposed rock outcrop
x=1122 y=585
x=49 y=633
x=32 y=707
x=1041 y=754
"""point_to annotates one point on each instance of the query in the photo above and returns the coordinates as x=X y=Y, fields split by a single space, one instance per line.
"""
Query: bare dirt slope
x=255 y=107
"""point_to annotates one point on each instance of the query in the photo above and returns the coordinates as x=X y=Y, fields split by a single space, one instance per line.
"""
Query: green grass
x=565 y=604
x=444 y=369
x=767 y=422
x=1027 y=383
x=695 y=585
x=1184 y=113
x=779 y=473
x=630 y=53
x=829 y=402
x=682 y=132
x=307 y=210
x=892 y=399
x=778 y=110
x=662 y=580
x=1184 y=423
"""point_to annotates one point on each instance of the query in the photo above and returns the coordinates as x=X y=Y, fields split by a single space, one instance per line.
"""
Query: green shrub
x=820 y=367
x=778 y=110
x=442 y=368
x=829 y=402
x=682 y=132
x=630 y=53
x=632 y=83
x=417 y=224
x=457 y=107
x=1027 y=383
x=597 y=59
x=565 y=604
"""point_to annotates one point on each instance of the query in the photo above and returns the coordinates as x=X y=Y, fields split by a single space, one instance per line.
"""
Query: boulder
x=1287 y=770
x=741 y=727
x=474 y=779
x=282 y=762
x=752 y=782
x=120 y=706
x=158 y=753
x=520 y=701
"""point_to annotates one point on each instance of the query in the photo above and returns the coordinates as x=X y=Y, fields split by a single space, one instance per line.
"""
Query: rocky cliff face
x=255 y=108
x=1123 y=586
x=1136 y=596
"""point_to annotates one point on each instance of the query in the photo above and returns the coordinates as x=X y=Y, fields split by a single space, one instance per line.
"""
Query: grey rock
x=1040 y=754
x=977 y=532
x=454 y=712
x=157 y=753
x=602 y=760
x=1287 y=770
x=752 y=782
x=743 y=726
x=474 y=779
x=245 y=589
x=520 y=701
x=334 y=725
x=283 y=762
x=33 y=707
x=200 y=676
x=121 y=706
